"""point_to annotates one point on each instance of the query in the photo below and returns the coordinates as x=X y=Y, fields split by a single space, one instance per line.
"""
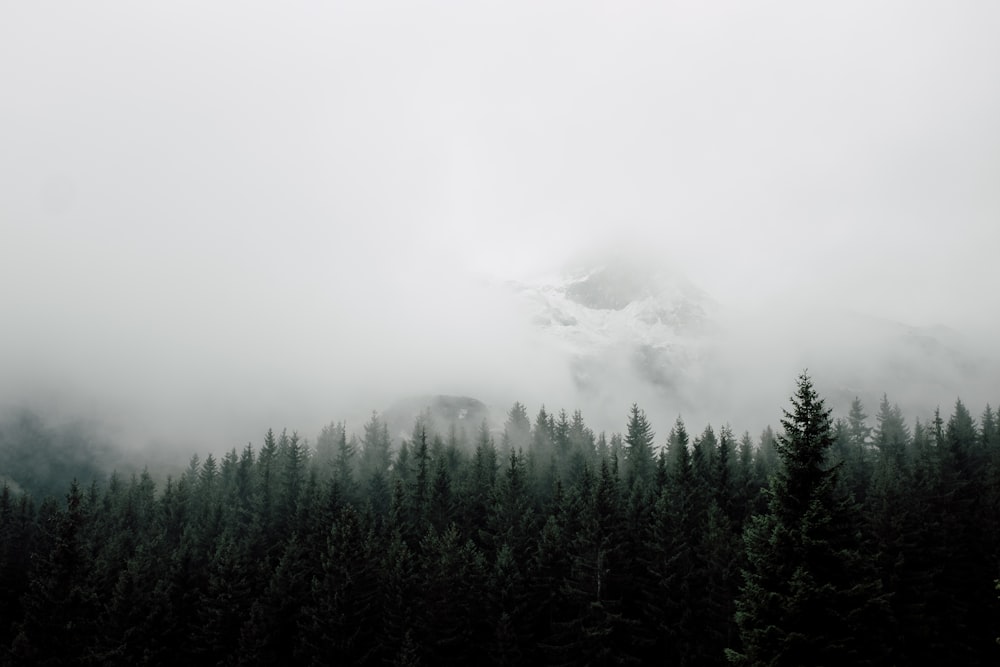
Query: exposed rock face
x=441 y=413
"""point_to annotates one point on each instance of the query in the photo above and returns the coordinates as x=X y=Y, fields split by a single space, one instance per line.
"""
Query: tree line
x=832 y=541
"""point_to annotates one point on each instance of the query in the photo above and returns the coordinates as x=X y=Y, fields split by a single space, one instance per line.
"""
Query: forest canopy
x=847 y=540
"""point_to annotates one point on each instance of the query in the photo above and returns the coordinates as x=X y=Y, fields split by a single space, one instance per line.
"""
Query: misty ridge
x=596 y=333
x=610 y=326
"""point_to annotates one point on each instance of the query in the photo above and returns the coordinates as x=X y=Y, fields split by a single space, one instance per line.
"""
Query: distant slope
x=42 y=459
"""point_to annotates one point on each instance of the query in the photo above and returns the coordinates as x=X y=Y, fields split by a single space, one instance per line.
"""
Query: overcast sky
x=292 y=203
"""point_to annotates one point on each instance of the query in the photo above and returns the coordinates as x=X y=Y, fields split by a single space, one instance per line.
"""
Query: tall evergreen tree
x=809 y=596
x=59 y=608
x=375 y=456
x=480 y=481
x=420 y=492
x=641 y=466
x=517 y=428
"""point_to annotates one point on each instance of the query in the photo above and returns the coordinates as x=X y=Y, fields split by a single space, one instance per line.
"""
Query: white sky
x=285 y=200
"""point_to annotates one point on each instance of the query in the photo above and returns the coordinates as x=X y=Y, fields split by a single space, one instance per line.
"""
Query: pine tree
x=343 y=464
x=595 y=631
x=852 y=446
x=16 y=514
x=480 y=481
x=293 y=472
x=59 y=607
x=898 y=516
x=968 y=571
x=641 y=467
x=507 y=607
x=808 y=595
x=511 y=519
x=550 y=564
x=441 y=502
x=226 y=599
x=517 y=428
x=420 y=491
x=765 y=464
x=561 y=436
x=339 y=618
x=270 y=633
x=746 y=489
x=396 y=599
x=452 y=577
x=723 y=552
x=676 y=537
x=582 y=444
x=375 y=457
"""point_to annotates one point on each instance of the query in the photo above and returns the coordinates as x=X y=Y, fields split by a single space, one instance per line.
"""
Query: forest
x=828 y=541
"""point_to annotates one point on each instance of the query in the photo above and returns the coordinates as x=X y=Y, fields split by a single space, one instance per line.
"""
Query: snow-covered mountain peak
x=615 y=296
x=623 y=323
x=635 y=330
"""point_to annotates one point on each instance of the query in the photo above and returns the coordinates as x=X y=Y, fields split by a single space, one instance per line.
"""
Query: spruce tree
x=641 y=468
x=517 y=428
x=809 y=596
x=59 y=607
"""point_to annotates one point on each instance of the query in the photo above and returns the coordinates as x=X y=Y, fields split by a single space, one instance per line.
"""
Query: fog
x=216 y=218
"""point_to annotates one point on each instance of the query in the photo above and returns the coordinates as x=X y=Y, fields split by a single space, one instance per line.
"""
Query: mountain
x=633 y=329
x=630 y=329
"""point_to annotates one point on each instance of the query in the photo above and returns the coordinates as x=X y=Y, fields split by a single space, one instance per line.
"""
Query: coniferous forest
x=829 y=541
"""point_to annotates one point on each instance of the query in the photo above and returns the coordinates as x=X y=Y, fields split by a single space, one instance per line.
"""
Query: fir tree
x=517 y=428
x=641 y=468
x=808 y=596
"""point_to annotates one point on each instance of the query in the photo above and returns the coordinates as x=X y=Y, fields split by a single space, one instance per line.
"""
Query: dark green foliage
x=510 y=521
x=271 y=631
x=479 y=483
x=451 y=581
x=809 y=596
x=375 y=455
x=863 y=544
x=639 y=450
x=678 y=572
x=60 y=608
x=441 y=501
x=17 y=538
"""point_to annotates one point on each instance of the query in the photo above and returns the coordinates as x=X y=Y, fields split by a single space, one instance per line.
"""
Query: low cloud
x=221 y=219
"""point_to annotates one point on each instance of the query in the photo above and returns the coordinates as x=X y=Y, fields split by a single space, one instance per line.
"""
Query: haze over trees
x=850 y=540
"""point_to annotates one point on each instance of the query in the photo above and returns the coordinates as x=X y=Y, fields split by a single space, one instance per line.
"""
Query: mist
x=216 y=220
